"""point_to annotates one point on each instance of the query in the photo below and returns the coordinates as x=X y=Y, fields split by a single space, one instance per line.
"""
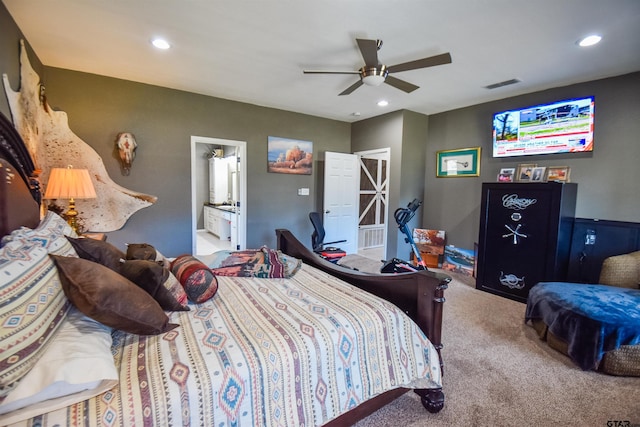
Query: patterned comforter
x=263 y=352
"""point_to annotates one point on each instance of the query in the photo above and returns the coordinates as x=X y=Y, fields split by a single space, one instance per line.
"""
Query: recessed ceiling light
x=589 y=40
x=383 y=103
x=160 y=43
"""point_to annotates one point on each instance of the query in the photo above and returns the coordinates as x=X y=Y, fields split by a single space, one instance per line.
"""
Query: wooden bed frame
x=420 y=294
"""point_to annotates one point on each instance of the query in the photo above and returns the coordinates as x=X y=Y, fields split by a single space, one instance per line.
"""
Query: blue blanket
x=592 y=319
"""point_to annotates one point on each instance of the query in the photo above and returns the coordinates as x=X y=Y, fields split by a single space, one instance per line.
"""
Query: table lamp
x=69 y=183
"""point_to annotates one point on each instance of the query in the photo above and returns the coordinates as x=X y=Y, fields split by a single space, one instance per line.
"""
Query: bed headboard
x=20 y=193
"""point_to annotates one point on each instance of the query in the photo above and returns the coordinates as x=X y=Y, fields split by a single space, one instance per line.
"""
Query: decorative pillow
x=198 y=281
x=147 y=252
x=176 y=289
x=98 y=251
x=151 y=277
x=76 y=366
x=110 y=298
x=32 y=306
x=264 y=263
x=215 y=259
x=50 y=234
x=141 y=251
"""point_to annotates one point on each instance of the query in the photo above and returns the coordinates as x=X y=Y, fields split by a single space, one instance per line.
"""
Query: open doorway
x=373 y=202
x=218 y=222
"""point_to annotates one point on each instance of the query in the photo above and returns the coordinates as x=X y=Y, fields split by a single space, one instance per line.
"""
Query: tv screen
x=559 y=127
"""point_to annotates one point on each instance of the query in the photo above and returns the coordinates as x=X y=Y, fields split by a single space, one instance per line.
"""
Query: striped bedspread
x=262 y=352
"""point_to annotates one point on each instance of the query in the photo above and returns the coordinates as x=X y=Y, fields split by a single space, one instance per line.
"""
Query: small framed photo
x=524 y=171
x=558 y=173
x=458 y=163
x=506 y=174
x=537 y=175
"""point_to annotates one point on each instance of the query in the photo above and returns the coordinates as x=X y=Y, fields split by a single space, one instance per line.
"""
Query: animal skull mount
x=126 y=144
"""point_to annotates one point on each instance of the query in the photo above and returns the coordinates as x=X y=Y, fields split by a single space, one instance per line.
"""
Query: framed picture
x=537 y=175
x=459 y=260
x=506 y=174
x=558 y=173
x=290 y=156
x=475 y=256
x=458 y=163
x=429 y=241
x=524 y=172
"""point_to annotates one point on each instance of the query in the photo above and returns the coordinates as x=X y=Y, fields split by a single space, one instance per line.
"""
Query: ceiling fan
x=374 y=74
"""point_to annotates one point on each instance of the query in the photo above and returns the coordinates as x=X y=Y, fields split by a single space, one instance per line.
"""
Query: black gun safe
x=593 y=241
x=525 y=236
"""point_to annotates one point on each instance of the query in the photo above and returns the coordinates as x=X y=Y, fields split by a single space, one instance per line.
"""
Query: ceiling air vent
x=504 y=83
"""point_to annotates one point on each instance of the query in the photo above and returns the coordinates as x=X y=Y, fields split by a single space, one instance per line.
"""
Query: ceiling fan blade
x=329 y=72
x=400 y=84
x=351 y=88
x=369 y=51
x=441 y=59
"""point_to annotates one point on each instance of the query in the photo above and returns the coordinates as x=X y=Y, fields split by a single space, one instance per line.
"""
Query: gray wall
x=608 y=178
x=382 y=132
x=163 y=121
x=10 y=36
x=414 y=135
x=405 y=132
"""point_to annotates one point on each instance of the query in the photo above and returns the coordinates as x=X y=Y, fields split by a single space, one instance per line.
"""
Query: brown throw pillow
x=197 y=279
x=151 y=277
x=147 y=252
x=111 y=299
x=141 y=251
x=98 y=251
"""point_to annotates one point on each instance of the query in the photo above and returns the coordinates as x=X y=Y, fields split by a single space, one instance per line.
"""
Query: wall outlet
x=303 y=191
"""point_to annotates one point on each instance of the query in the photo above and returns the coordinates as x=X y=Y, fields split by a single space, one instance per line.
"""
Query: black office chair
x=317 y=237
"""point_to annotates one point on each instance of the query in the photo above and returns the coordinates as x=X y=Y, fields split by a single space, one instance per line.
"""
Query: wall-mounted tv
x=559 y=127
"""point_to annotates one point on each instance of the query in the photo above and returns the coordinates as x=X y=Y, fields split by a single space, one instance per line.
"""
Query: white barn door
x=374 y=198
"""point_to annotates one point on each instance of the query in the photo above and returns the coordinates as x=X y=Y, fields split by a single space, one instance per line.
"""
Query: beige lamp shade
x=69 y=183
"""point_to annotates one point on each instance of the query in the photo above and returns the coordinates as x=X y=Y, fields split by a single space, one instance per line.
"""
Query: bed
x=324 y=346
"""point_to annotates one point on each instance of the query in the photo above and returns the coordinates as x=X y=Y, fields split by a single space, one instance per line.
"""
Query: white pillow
x=76 y=366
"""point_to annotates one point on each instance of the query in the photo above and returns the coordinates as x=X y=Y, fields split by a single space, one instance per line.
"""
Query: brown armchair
x=621 y=270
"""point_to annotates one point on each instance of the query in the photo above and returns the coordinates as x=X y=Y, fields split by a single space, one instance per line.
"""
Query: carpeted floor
x=360 y=263
x=498 y=373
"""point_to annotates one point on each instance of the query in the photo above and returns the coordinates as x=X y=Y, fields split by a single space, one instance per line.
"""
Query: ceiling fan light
x=160 y=43
x=590 y=40
x=373 y=80
x=374 y=76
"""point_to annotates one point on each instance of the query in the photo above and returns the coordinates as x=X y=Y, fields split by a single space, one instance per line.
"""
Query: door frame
x=380 y=154
x=241 y=211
